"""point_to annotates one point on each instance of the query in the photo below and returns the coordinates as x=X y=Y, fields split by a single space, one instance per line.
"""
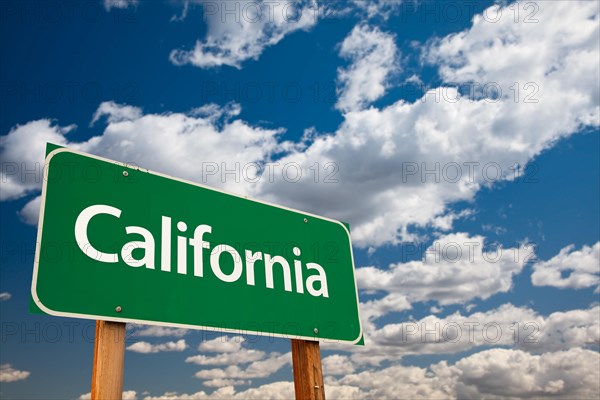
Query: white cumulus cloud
x=223 y=344
x=257 y=369
x=9 y=374
x=374 y=59
x=491 y=374
x=378 y=8
x=508 y=325
x=31 y=212
x=242 y=356
x=145 y=347
x=337 y=365
x=501 y=373
x=570 y=268
x=241 y=30
x=158 y=331
x=456 y=268
x=22 y=154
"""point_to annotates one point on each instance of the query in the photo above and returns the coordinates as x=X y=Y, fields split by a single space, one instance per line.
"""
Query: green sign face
x=125 y=244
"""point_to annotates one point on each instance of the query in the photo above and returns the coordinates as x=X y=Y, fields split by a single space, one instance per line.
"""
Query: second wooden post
x=308 y=374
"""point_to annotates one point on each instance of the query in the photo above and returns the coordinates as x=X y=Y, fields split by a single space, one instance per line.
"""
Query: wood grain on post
x=109 y=357
x=308 y=374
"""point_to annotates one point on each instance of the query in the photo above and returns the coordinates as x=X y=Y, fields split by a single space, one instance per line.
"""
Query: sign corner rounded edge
x=38 y=301
x=57 y=151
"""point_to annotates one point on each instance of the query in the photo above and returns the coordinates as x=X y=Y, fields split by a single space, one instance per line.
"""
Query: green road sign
x=125 y=244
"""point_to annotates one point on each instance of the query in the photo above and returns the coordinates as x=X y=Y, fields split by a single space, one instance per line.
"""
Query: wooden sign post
x=109 y=357
x=308 y=373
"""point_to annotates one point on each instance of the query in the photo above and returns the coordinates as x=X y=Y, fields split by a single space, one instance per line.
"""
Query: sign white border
x=168 y=324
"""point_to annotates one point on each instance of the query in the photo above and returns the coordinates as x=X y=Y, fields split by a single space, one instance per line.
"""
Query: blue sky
x=441 y=125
